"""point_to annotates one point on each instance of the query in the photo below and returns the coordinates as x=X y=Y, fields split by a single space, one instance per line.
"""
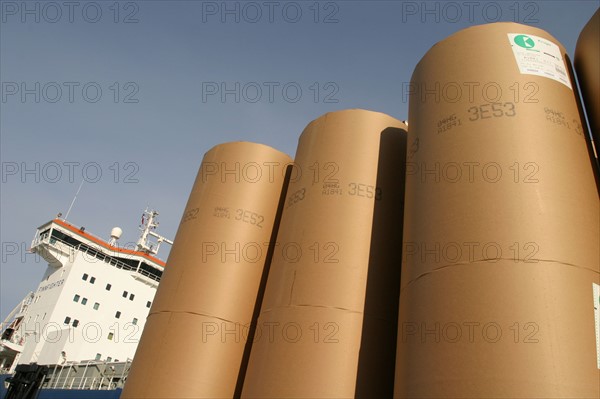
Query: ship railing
x=107 y=259
x=17 y=312
x=65 y=248
x=147 y=274
x=37 y=238
x=56 y=379
x=42 y=238
x=16 y=340
x=92 y=374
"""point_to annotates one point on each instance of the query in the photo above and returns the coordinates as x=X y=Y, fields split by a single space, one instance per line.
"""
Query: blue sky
x=129 y=94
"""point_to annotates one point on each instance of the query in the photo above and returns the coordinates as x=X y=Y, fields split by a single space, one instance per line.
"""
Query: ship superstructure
x=92 y=302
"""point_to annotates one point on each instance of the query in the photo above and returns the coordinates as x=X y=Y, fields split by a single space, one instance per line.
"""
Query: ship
x=75 y=336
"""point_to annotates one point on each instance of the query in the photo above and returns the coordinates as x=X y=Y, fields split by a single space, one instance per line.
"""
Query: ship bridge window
x=131 y=296
x=92 y=280
x=134 y=322
x=67 y=320
x=148 y=304
x=108 y=287
x=96 y=306
x=76 y=298
x=44 y=234
x=118 y=314
x=84 y=277
x=128 y=264
x=110 y=337
x=75 y=323
x=131 y=264
x=98 y=356
x=84 y=301
x=151 y=271
x=125 y=294
x=65 y=238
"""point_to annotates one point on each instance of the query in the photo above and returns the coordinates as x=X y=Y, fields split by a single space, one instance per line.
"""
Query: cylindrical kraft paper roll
x=587 y=66
x=501 y=226
x=196 y=333
x=328 y=321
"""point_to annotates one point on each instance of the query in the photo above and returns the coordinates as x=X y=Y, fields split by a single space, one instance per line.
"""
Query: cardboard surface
x=186 y=356
x=208 y=292
x=336 y=271
x=501 y=222
x=499 y=330
x=587 y=65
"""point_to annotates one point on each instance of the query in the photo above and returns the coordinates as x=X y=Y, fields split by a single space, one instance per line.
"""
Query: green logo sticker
x=524 y=41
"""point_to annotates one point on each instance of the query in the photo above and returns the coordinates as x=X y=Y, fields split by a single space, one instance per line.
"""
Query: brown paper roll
x=329 y=316
x=587 y=65
x=194 y=339
x=501 y=236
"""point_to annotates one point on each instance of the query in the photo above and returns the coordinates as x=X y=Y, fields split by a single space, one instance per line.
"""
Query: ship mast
x=149 y=223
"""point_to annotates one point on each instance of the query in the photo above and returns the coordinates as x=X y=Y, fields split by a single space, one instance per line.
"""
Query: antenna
x=74 y=198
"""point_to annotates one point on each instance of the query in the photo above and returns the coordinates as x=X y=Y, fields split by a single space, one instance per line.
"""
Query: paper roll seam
x=488 y=262
x=365 y=315
x=171 y=312
x=306 y=305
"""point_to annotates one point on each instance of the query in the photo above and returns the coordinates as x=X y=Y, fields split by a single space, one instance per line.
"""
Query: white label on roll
x=596 y=288
x=538 y=56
